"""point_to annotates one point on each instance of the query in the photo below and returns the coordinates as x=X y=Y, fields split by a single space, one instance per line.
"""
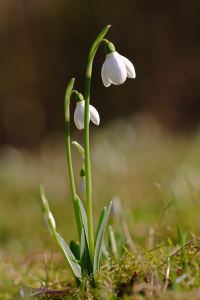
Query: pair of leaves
x=84 y=251
x=73 y=262
x=79 y=257
x=69 y=256
x=99 y=237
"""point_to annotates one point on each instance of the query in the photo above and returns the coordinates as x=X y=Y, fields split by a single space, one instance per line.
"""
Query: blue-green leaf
x=71 y=258
x=75 y=248
x=98 y=246
x=83 y=217
x=84 y=256
x=99 y=224
x=78 y=217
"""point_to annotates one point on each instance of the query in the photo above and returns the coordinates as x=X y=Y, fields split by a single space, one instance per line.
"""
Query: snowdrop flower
x=80 y=110
x=116 y=67
x=46 y=223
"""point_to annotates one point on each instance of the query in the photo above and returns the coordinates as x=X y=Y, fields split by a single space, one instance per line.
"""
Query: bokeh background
x=45 y=43
x=146 y=151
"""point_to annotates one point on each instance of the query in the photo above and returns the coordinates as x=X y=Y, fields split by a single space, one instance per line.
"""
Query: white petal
x=94 y=115
x=79 y=115
x=115 y=67
x=129 y=66
x=104 y=75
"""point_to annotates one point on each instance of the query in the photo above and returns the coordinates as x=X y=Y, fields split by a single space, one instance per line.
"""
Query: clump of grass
x=164 y=277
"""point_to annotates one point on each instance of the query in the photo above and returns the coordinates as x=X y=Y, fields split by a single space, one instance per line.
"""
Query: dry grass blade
x=127 y=234
x=194 y=236
x=87 y=289
x=177 y=251
x=131 y=244
x=46 y=268
x=167 y=276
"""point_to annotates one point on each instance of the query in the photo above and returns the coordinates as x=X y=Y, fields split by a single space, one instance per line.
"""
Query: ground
x=156 y=176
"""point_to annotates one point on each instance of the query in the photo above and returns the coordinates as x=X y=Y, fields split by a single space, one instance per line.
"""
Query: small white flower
x=116 y=69
x=79 y=115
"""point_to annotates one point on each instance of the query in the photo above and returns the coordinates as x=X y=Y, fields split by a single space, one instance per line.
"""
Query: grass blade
x=181 y=242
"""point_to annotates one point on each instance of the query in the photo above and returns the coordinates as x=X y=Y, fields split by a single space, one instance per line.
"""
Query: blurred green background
x=146 y=150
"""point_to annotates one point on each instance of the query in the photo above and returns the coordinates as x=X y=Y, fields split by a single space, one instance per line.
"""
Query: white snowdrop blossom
x=116 y=69
x=46 y=223
x=79 y=115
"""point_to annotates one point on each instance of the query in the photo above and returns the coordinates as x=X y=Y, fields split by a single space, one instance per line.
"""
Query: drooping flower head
x=116 y=67
x=80 y=110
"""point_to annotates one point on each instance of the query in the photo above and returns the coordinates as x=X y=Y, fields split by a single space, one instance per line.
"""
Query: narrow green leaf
x=99 y=224
x=83 y=217
x=181 y=242
x=79 y=148
x=78 y=217
x=84 y=256
x=98 y=246
x=71 y=258
x=75 y=248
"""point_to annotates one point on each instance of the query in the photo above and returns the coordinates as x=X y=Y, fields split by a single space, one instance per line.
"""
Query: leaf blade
x=83 y=217
x=98 y=246
x=71 y=258
x=99 y=224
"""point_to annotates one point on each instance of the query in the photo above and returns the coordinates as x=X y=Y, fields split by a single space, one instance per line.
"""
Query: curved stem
x=68 y=94
x=92 y=52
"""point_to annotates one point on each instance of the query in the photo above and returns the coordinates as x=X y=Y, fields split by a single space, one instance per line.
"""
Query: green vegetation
x=157 y=178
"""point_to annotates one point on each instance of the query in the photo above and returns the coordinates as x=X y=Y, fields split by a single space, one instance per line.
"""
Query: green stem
x=92 y=52
x=68 y=94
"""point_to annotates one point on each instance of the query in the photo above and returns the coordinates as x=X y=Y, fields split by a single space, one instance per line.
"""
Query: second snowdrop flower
x=80 y=110
x=116 y=67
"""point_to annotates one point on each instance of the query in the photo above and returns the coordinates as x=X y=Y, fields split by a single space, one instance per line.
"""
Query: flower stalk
x=68 y=94
x=92 y=53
